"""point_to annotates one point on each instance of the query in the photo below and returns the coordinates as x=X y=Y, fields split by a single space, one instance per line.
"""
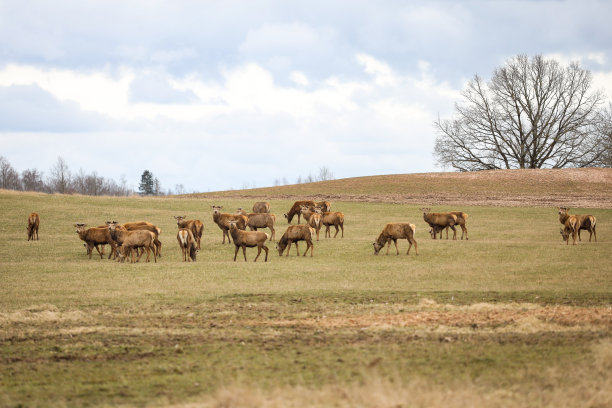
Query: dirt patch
x=502 y=318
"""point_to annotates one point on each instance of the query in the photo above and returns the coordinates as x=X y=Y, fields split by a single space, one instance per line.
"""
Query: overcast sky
x=228 y=94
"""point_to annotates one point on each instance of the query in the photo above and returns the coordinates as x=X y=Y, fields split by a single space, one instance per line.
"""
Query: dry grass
x=499 y=320
x=591 y=188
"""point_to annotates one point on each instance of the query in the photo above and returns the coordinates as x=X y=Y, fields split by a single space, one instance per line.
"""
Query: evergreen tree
x=146 y=186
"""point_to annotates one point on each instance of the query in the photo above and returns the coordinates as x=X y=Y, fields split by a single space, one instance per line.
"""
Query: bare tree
x=604 y=131
x=9 y=178
x=60 y=177
x=32 y=180
x=325 y=174
x=533 y=113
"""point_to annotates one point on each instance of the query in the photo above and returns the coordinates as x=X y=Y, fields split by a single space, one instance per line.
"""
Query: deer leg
x=158 y=246
x=297 y=248
x=396 y=248
x=98 y=249
x=236 y=252
x=244 y=252
x=337 y=230
x=454 y=233
x=258 y=252
x=266 y=249
x=142 y=251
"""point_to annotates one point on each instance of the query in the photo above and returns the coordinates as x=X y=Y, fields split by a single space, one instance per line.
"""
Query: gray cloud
x=29 y=108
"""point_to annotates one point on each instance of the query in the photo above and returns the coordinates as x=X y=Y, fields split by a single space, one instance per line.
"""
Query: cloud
x=26 y=108
x=350 y=85
x=153 y=87
x=378 y=124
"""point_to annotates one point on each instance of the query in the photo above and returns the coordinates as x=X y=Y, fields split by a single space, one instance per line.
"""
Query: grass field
x=512 y=317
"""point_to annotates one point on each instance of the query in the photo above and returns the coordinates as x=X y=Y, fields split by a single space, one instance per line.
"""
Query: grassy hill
x=559 y=187
x=498 y=320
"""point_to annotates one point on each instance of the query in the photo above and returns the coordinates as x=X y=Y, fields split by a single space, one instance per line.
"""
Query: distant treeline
x=60 y=180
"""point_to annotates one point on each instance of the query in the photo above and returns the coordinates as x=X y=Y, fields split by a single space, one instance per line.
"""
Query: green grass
x=79 y=332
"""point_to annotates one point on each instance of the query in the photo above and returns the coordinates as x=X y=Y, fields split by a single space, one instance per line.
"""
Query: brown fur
x=324 y=205
x=260 y=220
x=196 y=227
x=96 y=236
x=187 y=243
x=393 y=232
x=293 y=234
x=439 y=221
x=223 y=219
x=243 y=239
x=582 y=222
x=313 y=217
x=261 y=207
x=132 y=240
x=332 y=218
x=33 y=224
x=296 y=209
x=146 y=226
x=570 y=225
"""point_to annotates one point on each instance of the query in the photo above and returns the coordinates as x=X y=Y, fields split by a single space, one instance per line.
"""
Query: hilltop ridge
x=585 y=188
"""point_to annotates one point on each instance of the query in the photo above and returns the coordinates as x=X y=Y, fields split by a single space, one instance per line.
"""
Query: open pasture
x=513 y=316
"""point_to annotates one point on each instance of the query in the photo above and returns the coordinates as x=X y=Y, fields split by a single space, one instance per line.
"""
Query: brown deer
x=223 y=219
x=33 y=223
x=332 y=218
x=96 y=236
x=260 y=220
x=583 y=222
x=570 y=225
x=195 y=226
x=146 y=226
x=313 y=218
x=130 y=241
x=188 y=244
x=248 y=239
x=461 y=219
x=296 y=209
x=261 y=207
x=440 y=221
x=393 y=232
x=294 y=234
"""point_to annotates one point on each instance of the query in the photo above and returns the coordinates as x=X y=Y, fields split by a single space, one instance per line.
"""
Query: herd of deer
x=134 y=238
